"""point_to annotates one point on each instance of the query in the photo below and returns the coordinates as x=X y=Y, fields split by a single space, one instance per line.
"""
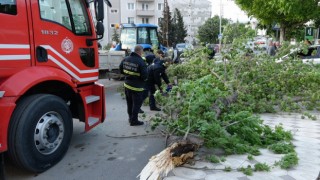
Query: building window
x=160 y=6
x=113 y=11
x=145 y=7
x=130 y=19
x=130 y=6
x=8 y=7
x=160 y=20
x=145 y=20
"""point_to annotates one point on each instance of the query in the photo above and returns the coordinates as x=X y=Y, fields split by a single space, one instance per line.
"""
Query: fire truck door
x=14 y=36
x=61 y=28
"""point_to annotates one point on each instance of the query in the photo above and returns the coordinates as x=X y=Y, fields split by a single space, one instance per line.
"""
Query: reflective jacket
x=135 y=70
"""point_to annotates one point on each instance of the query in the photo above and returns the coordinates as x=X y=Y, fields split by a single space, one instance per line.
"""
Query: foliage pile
x=218 y=99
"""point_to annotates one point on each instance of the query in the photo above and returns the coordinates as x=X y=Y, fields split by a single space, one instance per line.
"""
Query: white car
x=261 y=43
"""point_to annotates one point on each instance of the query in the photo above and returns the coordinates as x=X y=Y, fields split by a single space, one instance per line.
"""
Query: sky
x=230 y=10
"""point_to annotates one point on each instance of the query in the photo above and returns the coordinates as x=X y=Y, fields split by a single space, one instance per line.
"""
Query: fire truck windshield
x=58 y=12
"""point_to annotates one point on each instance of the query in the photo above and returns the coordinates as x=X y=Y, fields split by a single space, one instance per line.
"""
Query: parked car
x=183 y=46
x=260 y=43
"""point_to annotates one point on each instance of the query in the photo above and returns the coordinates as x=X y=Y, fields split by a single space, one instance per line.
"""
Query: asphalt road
x=111 y=151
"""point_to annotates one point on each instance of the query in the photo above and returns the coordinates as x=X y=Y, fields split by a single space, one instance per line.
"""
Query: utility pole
x=166 y=23
x=220 y=35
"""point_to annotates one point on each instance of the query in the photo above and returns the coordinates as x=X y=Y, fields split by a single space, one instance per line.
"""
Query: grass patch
x=261 y=167
x=214 y=159
x=288 y=161
x=247 y=171
x=250 y=157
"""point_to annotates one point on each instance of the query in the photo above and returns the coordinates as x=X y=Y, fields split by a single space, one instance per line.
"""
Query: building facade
x=194 y=12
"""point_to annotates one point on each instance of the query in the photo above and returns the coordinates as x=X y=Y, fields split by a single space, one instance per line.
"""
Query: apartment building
x=194 y=12
x=141 y=11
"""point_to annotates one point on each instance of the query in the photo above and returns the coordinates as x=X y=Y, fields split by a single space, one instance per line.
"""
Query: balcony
x=146 y=13
x=145 y=0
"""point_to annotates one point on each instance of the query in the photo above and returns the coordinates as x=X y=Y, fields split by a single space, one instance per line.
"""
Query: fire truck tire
x=40 y=132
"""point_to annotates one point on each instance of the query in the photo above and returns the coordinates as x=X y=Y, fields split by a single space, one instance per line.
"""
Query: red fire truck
x=48 y=76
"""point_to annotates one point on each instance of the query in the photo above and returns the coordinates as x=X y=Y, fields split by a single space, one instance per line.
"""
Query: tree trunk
x=282 y=33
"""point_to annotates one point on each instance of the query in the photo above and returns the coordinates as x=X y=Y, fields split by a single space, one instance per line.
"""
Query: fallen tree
x=219 y=100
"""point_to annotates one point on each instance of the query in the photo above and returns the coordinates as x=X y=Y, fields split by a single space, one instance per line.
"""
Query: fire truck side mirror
x=100 y=28
x=99 y=32
x=99 y=10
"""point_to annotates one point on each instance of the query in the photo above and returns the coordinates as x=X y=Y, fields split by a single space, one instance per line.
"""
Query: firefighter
x=135 y=70
x=156 y=72
x=149 y=60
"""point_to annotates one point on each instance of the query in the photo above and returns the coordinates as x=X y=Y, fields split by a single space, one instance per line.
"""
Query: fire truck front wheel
x=40 y=132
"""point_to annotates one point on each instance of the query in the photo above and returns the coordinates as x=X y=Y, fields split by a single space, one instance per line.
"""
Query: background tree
x=298 y=33
x=208 y=33
x=180 y=30
x=115 y=36
x=289 y=14
x=235 y=30
x=166 y=28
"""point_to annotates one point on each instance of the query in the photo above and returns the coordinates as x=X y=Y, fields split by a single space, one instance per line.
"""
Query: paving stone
x=277 y=171
x=295 y=126
x=305 y=159
x=308 y=134
x=201 y=165
x=243 y=178
x=234 y=163
x=305 y=139
x=266 y=152
x=287 y=177
x=224 y=176
x=189 y=173
x=252 y=161
x=263 y=176
x=302 y=175
x=174 y=178
x=238 y=156
x=222 y=166
x=270 y=160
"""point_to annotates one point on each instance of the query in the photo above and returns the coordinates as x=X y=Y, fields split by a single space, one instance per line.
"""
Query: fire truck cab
x=48 y=76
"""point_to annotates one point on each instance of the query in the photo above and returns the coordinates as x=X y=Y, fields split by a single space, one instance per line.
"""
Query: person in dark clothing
x=212 y=53
x=135 y=70
x=150 y=58
x=175 y=55
x=156 y=72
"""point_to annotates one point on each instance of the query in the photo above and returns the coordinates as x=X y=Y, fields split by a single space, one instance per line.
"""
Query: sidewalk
x=306 y=138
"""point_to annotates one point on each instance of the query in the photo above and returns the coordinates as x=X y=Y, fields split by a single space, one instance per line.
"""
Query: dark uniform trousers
x=150 y=89
x=134 y=103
